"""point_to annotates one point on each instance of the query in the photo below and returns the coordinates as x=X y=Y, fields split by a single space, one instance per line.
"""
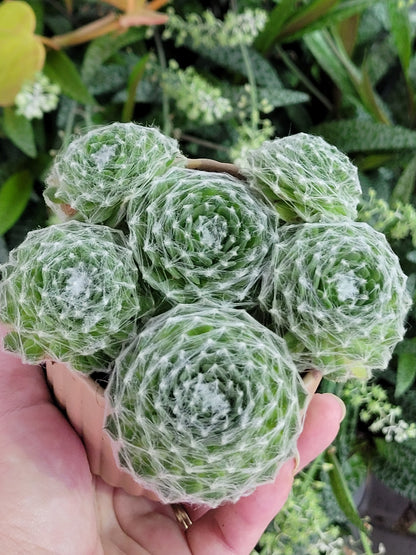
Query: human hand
x=50 y=502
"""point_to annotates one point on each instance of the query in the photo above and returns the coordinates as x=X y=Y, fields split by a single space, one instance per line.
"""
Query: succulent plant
x=95 y=175
x=337 y=292
x=306 y=178
x=205 y=404
x=199 y=235
x=71 y=292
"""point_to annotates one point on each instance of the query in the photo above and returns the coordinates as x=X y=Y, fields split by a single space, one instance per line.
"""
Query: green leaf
x=134 y=80
x=338 y=13
x=61 y=70
x=14 y=195
x=102 y=48
x=401 y=31
x=357 y=135
x=312 y=12
x=404 y=188
x=20 y=131
x=406 y=373
x=341 y=491
x=277 y=18
x=324 y=54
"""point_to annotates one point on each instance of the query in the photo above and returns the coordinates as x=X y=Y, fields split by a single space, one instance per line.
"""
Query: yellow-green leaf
x=22 y=53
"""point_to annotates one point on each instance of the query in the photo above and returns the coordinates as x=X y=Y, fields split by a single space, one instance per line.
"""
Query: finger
x=20 y=384
x=236 y=528
x=325 y=412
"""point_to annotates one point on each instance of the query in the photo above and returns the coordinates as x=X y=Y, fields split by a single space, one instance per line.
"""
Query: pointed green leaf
x=406 y=373
x=312 y=12
x=14 y=195
x=134 y=80
x=406 y=184
x=20 y=131
x=401 y=31
x=341 y=491
x=277 y=18
x=338 y=13
x=61 y=70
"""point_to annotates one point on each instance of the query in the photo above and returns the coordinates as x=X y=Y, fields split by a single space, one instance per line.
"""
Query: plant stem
x=255 y=118
x=167 y=125
x=208 y=165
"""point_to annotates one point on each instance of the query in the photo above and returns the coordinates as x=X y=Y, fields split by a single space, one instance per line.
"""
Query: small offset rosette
x=95 y=175
x=206 y=405
x=199 y=235
x=306 y=178
x=71 y=292
x=338 y=295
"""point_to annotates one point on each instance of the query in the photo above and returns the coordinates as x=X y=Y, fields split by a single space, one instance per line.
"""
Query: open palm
x=51 y=503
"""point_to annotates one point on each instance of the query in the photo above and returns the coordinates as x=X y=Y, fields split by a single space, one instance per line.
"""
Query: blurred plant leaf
x=61 y=70
x=358 y=135
x=340 y=489
x=340 y=12
x=277 y=18
x=14 y=196
x=20 y=131
x=354 y=83
x=401 y=31
x=21 y=52
x=404 y=188
x=134 y=80
x=101 y=49
x=406 y=373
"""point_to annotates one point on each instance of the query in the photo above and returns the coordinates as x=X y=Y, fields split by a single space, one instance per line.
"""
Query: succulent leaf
x=206 y=404
x=70 y=292
x=95 y=175
x=306 y=178
x=199 y=235
x=339 y=294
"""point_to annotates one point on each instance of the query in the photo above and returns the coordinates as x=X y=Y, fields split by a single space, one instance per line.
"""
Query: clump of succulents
x=95 y=175
x=198 y=234
x=71 y=292
x=338 y=293
x=206 y=404
x=307 y=179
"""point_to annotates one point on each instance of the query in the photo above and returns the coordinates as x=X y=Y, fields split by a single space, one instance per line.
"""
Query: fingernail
x=341 y=404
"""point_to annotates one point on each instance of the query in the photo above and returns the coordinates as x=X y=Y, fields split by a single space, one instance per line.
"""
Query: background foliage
x=222 y=77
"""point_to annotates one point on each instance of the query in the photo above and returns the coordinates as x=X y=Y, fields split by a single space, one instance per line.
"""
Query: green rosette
x=338 y=294
x=307 y=179
x=206 y=405
x=95 y=175
x=70 y=292
x=198 y=235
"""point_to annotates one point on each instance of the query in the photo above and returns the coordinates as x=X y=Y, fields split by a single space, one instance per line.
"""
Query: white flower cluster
x=207 y=31
x=194 y=95
x=379 y=413
x=37 y=97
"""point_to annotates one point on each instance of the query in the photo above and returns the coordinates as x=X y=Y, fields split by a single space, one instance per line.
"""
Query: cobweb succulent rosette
x=206 y=405
x=70 y=292
x=339 y=294
x=306 y=178
x=200 y=235
x=94 y=176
